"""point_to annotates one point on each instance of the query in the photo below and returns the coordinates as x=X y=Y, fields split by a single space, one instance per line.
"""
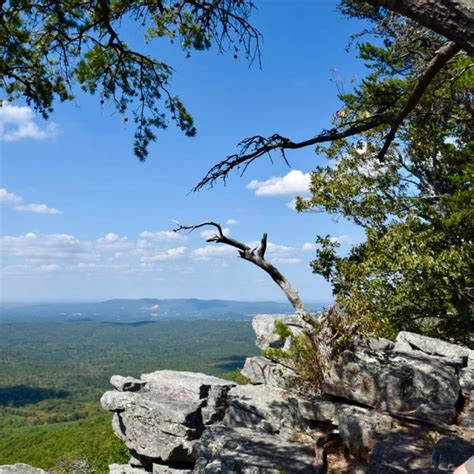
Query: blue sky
x=83 y=219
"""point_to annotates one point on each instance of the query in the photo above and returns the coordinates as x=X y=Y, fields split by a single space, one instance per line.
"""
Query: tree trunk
x=453 y=19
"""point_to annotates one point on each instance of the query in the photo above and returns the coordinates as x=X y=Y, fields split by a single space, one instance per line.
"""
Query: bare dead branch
x=254 y=147
x=263 y=246
x=247 y=253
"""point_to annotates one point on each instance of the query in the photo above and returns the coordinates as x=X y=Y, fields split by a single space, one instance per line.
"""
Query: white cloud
x=18 y=122
x=9 y=198
x=52 y=267
x=169 y=254
x=113 y=242
x=44 y=247
x=162 y=236
x=212 y=251
x=287 y=260
x=344 y=239
x=12 y=199
x=308 y=247
x=295 y=182
x=232 y=222
x=37 y=209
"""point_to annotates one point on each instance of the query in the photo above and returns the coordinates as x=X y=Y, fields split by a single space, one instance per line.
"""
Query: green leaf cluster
x=49 y=49
x=414 y=270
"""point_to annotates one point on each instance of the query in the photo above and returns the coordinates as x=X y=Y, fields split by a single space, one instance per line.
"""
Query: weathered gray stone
x=163 y=419
x=466 y=381
x=20 y=468
x=256 y=369
x=409 y=385
x=193 y=386
x=264 y=327
x=126 y=384
x=114 y=401
x=316 y=409
x=124 y=469
x=257 y=406
x=449 y=453
x=245 y=451
x=260 y=370
x=408 y=341
x=398 y=454
x=360 y=428
x=170 y=469
x=147 y=439
x=379 y=344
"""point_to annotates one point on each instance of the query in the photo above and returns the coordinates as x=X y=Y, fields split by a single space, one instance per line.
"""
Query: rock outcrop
x=385 y=407
x=20 y=469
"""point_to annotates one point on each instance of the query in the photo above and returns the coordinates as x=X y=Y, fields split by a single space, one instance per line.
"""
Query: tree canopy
x=49 y=47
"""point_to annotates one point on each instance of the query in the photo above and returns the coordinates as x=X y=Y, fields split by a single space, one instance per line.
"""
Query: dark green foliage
x=53 y=375
x=282 y=329
x=49 y=47
x=237 y=377
x=414 y=271
x=313 y=349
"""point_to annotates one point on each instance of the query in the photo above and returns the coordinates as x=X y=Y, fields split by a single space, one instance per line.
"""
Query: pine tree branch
x=254 y=147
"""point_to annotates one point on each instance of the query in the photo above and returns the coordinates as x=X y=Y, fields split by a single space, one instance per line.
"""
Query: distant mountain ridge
x=145 y=309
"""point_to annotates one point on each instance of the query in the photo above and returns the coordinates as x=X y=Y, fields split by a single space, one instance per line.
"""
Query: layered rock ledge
x=385 y=408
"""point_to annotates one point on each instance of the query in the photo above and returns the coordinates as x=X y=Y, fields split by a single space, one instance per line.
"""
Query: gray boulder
x=409 y=341
x=466 y=381
x=258 y=407
x=264 y=327
x=316 y=409
x=245 y=451
x=162 y=420
x=401 y=454
x=124 y=469
x=171 y=469
x=408 y=385
x=360 y=428
x=257 y=369
x=379 y=344
x=20 y=468
x=127 y=384
x=260 y=370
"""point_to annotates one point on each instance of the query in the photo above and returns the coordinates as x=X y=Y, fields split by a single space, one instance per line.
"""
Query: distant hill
x=147 y=309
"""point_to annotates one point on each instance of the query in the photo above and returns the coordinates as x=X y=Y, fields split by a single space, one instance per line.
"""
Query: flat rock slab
x=360 y=428
x=398 y=454
x=163 y=414
x=127 y=384
x=20 y=468
x=258 y=407
x=409 y=341
x=245 y=451
x=409 y=385
x=124 y=469
x=260 y=370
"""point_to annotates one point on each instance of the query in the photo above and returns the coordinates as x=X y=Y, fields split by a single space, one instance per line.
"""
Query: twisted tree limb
x=254 y=147
x=255 y=256
x=453 y=19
